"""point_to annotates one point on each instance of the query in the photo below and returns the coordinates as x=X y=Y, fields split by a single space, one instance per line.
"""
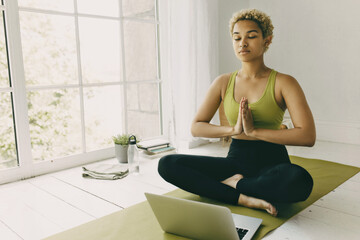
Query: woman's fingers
x=239 y=125
x=244 y=122
x=247 y=120
x=244 y=107
x=244 y=103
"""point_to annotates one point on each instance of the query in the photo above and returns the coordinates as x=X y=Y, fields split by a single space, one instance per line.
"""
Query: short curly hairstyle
x=262 y=20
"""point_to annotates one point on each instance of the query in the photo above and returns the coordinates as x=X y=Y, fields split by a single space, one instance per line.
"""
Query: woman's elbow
x=310 y=143
x=194 y=130
x=310 y=140
x=193 y=133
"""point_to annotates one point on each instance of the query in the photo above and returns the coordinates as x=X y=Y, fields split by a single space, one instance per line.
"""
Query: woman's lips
x=243 y=52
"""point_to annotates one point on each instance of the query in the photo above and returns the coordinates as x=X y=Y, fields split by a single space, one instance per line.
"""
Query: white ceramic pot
x=121 y=153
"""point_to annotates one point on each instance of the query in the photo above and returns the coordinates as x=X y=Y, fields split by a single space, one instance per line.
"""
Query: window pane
x=140 y=51
x=103 y=115
x=4 y=75
x=143 y=105
x=139 y=8
x=104 y=7
x=8 y=156
x=100 y=50
x=49 y=49
x=55 y=127
x=143 y=97
x=56 y=5
x=133 y=97
x=144 y=124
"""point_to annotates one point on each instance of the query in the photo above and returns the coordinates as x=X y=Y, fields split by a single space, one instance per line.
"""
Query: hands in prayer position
x=245 y=122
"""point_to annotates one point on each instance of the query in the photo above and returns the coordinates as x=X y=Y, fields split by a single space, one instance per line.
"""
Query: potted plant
x=121 y=146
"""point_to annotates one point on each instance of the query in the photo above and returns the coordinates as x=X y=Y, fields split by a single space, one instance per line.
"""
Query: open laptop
x=197 y=220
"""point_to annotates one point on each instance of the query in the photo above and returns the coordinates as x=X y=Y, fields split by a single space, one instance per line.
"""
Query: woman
x=257 y=170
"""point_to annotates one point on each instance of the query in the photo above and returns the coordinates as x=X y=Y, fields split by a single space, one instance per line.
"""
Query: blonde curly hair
x=262 y=20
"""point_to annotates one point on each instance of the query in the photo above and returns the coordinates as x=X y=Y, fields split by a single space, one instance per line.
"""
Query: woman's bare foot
x=247 y=201
x=252 y=202
x=232 y=181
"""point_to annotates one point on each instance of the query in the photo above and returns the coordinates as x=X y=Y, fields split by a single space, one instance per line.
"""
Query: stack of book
x=155 y=146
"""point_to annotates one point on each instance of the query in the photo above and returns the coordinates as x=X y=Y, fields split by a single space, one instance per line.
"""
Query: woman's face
x=248 y=41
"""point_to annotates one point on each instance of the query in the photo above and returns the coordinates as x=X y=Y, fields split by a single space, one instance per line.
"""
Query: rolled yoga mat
x=139 y=222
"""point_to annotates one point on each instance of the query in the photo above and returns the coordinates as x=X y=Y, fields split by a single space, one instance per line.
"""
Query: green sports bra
x=266 y=112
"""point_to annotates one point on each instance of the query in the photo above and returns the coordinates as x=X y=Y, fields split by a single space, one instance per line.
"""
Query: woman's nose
x=243 y=43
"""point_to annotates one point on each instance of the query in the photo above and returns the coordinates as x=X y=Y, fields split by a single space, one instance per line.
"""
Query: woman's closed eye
x=250 y=37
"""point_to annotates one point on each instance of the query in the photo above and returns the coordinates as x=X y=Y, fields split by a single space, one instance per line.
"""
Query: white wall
x=317 y=42
x=227 y=59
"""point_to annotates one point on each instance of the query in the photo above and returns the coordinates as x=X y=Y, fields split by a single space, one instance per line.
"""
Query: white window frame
x=27 y=168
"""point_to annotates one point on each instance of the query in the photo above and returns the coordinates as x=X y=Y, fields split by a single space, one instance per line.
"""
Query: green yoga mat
x=139 y=222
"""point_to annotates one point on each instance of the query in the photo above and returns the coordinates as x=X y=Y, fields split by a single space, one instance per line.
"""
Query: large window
x=83 y=71
x=8 y=157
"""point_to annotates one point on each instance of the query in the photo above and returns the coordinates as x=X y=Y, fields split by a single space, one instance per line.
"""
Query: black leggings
x=266 y=167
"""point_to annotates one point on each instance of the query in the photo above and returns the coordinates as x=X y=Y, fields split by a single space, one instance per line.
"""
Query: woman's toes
x=272 y=210
x=252 y=202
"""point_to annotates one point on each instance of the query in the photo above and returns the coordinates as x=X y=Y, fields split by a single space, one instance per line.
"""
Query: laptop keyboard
x=241 y=232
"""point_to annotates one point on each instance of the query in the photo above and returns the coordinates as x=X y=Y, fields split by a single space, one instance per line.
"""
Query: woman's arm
x=303 y=133
x=201 y=126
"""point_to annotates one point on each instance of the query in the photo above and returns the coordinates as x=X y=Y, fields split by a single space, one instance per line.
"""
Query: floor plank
x=25 y=221
x=333 y=218
x=355 y=178
x=303 y=228
x=149 y=174
x=92 y=205
x=7 y=234
x=35 y=214
x=341 y=200
x=123 y=192
x=352 y=185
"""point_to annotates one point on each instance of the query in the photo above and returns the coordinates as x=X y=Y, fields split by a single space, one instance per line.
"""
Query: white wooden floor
x=45 y=205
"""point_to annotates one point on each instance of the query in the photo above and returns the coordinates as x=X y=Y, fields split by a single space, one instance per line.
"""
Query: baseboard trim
x=340 y=132
x=196 y=142
x=343 y=132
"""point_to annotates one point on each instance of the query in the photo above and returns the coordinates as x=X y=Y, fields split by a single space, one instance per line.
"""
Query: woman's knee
x=302 y=181
x=165 y=165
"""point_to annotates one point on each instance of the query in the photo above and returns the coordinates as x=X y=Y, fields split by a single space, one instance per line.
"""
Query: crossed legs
x=221 y=179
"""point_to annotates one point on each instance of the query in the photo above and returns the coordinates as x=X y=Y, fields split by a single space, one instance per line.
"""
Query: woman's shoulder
x=223 y=78
x=221 y=82
x=287 y=84
x=283 y=79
